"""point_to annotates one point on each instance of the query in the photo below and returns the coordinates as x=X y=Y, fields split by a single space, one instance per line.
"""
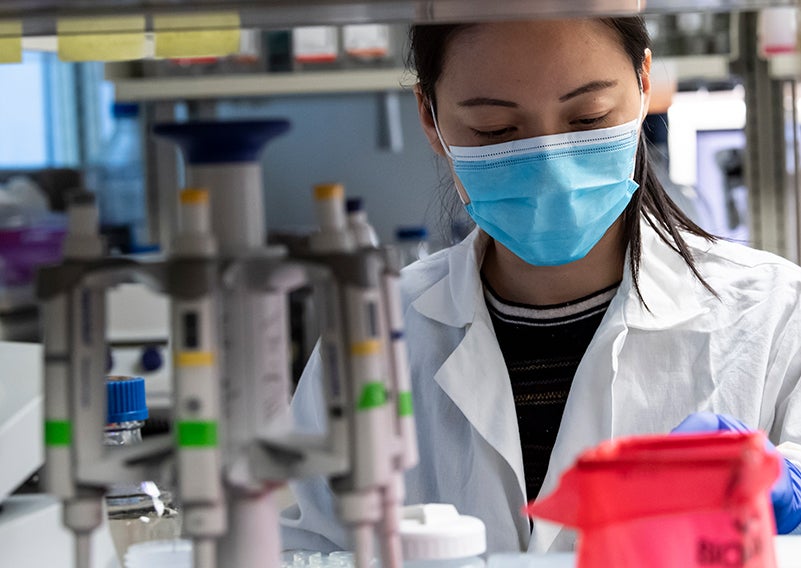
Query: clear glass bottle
x=137 y=512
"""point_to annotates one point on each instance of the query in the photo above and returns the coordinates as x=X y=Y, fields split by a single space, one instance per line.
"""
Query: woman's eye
x=491 y=134
x=594 y=121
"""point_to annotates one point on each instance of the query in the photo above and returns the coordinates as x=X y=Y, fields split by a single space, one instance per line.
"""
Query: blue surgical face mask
x=549 y=199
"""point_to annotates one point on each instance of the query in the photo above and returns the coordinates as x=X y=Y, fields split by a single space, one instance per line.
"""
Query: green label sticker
x=373 y=395
x=58 y=432
x=405 y=405
x=197 y=434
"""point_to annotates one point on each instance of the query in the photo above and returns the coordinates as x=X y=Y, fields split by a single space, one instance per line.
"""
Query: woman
x=586 y=305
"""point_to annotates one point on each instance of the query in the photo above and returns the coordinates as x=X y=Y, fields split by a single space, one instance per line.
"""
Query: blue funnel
x=221 y=142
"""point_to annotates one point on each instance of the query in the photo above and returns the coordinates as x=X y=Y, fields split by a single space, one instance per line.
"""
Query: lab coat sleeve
x=786 y=370
x=311 y=523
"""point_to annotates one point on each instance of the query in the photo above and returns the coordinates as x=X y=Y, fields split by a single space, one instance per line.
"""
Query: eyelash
x=591 y=121
x=500 y=133
x=492 y=134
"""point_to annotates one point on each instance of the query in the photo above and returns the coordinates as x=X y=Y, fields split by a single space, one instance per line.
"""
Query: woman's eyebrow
x=486 y=101
x=588 y=88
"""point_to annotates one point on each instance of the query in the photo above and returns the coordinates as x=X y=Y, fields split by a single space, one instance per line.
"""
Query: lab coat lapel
x=476 y=379
x=474 y=376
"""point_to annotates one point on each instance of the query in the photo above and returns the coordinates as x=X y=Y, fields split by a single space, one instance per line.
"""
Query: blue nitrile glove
x=785 y=493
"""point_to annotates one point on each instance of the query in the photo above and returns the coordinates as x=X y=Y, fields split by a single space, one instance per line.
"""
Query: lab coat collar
x=453 y=299
x=477 y=364
x=671 y=291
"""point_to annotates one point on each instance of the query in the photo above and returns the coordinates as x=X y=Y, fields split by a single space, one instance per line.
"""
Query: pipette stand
x=233 y=442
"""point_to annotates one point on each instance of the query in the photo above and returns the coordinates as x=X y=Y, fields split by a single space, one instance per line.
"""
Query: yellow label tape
x=194 y=196
x=365 y=348
x=10 y=41
x=197 y=35
x=194 y=359
x=101 y=39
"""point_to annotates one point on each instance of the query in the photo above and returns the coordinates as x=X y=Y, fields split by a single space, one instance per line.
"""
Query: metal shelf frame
x=39 y=17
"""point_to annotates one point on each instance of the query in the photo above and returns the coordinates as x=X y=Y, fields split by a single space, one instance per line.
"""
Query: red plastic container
x=694 y=500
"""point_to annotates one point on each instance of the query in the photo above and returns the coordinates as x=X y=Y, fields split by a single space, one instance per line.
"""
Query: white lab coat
x=644 y=372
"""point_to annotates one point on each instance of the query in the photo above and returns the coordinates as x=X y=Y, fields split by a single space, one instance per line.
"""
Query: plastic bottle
x=437 y=536
x=329 y=205
x=137 y=512
x=363 y=232
x=412 y=243
x=315 y=46
x=367 y=44
x=777 y=30
x=119 y=180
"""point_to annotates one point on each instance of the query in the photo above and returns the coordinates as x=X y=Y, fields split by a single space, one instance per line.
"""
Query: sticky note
x=10 y=41
x=197 y=35
x=101 y=39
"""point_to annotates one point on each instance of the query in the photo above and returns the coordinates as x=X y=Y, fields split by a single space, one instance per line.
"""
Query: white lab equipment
x=20 y=415
x=233 y=442
x=371 y=492
x=435 y=535
x=31 y=528
x=160 y=554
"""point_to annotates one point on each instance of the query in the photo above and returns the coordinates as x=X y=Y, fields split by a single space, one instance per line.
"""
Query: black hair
x=428 y=46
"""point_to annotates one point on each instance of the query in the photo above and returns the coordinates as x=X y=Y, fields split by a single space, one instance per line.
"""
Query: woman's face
x=514 y=80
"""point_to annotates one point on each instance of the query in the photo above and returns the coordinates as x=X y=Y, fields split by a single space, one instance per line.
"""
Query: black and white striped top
x=542 y=347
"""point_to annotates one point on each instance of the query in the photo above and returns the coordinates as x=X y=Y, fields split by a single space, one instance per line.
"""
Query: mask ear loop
x=642 y=96
x=445 y=147
x=642 y=119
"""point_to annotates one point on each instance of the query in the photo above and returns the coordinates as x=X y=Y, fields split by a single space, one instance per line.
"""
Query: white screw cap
x=437 y=532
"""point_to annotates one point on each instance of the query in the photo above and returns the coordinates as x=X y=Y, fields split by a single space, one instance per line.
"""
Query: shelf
x=785 y=66
x=341 y=81
x=260 y=85
x=39 y=16
x=710 y=67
